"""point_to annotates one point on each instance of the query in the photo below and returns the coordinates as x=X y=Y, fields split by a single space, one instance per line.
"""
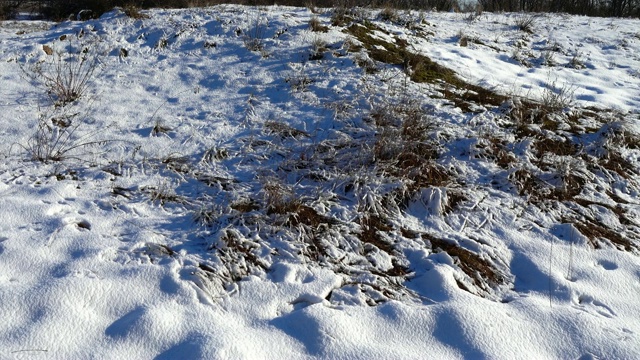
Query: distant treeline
x=63 y=9
x=613 y=8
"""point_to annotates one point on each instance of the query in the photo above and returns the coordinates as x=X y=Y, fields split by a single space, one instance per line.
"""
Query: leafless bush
x=66 y=75
x=57 y=138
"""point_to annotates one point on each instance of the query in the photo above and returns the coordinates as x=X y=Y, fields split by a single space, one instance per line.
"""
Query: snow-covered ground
x=231 y=184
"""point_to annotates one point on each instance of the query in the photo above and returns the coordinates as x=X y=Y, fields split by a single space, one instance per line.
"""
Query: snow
x=102 y=254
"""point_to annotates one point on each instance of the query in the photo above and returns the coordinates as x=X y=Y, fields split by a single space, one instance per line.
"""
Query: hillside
x=273 y=182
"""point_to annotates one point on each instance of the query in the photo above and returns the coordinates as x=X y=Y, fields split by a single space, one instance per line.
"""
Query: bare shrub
x=57 y=138
x=66 y=75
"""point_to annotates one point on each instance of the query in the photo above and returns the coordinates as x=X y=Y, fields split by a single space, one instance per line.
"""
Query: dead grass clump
x=163 y=194
x=495 y=149
x=483 y=274
x=283 y=130
x=239 y=255
x=615 y=162
x=597 y=233
x=177 y=163
x=389 y=14
x=206 y=215
x=528 y=184
x=342 y=16
x=223 y=183
x=316 y=25
x=556 y=98
x=306 y=215
x=299 y=81
x=318 y=48
x=560 y=147
x=466 y=95
x=254 y=36
x=618 y=134
x=160 y=128
x=245 y=206
x=372 y=226
x=454 y=198
x=134 y=12
x=524 y=112
x=618 y=210
x=525 y=22
x=404 y=147
x=278 y=197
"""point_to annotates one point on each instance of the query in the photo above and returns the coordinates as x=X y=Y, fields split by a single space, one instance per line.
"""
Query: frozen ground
x=231 y=184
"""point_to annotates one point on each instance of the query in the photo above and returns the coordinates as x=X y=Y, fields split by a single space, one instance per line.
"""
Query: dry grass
x=134 y=12
x=283 y=130
x=389 y=14
x=525 y=22
x=316 y=25
x=597 y=234
x=483 y=274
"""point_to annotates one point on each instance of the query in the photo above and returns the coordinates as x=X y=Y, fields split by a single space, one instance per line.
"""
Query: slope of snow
x=110 y=253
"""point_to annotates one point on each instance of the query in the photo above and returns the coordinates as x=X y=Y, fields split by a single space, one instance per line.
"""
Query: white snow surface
x=94 y=264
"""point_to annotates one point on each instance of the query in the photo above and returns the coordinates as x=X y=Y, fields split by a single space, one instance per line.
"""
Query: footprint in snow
x=592 y=306
x=81 y=224
x=607 y=265
x=125 y=325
